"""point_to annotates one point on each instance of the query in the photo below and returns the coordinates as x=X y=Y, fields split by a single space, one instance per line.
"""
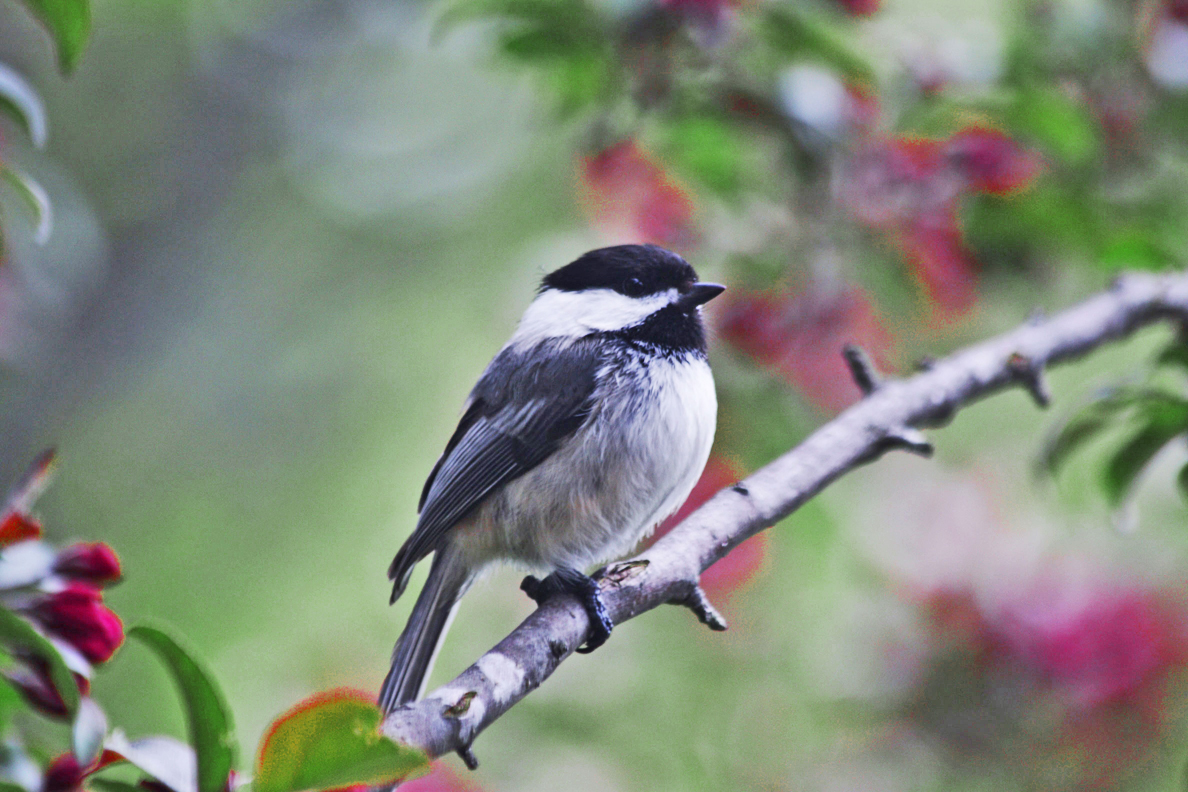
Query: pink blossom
x=1104 y=649
x=440 y=779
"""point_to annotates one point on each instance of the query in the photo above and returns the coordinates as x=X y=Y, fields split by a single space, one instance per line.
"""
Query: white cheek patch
x=572 y=315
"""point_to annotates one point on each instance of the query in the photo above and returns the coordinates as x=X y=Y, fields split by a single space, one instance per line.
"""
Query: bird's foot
x=586 y=589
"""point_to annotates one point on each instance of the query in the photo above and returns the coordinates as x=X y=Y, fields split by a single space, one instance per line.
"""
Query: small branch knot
x=908 y=439
x=466 y=754
x=862 y=369
x=1030 y=375
x=696 y=601
x=461 y=706
x=618 y=574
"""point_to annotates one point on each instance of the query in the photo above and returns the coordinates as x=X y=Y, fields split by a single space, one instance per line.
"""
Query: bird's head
x=611 y=289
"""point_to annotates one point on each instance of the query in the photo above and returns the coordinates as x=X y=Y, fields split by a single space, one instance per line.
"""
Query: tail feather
x=417 y=647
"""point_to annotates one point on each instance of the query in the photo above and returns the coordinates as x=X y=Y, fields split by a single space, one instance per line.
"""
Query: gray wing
x=521 y=410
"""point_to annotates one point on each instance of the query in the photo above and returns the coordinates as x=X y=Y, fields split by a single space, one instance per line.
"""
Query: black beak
x=699 y=294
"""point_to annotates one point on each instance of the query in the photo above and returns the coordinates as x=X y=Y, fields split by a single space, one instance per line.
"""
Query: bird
x=588 y=428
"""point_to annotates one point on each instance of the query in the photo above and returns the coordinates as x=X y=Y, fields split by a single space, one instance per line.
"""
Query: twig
x=889 y=416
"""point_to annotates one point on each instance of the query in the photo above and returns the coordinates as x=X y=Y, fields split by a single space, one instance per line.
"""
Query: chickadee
x=590 y=426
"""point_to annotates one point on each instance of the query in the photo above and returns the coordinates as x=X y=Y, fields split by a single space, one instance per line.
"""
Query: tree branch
x=888 y=417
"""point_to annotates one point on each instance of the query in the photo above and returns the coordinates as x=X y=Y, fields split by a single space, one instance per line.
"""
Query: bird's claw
x=539 y=590
x=586 y=589
x=600 y=623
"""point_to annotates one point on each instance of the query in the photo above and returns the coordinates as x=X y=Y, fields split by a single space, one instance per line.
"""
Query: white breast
x=631 y=465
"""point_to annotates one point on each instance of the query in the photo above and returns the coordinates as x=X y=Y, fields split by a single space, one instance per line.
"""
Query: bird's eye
x=633 y=287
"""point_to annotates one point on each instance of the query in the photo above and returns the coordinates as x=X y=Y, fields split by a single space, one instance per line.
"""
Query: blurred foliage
x=1148 y=418
x=69 y=25
x=287 y=236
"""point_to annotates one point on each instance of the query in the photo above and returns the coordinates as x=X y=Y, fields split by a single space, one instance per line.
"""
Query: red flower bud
x=77 y=615
x=90 y=562
x=38 y=690
x=16 y=526
x=64 y=774
x=152 y=785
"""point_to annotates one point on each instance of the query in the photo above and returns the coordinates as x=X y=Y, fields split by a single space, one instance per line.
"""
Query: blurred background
x=289 y=235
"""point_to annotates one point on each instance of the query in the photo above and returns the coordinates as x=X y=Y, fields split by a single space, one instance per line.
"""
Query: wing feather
x=524 y=406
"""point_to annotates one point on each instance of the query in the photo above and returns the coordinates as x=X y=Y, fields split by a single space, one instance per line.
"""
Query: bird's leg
x=585 y=588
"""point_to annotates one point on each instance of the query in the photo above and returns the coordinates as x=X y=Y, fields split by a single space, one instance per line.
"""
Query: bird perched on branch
x=590 y=426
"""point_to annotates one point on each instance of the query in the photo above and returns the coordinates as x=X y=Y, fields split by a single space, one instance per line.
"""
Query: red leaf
x=936 y=253
x=802 y=336
x=993 y=162
x=741 y=564
x=859 y=8
x=628 y=192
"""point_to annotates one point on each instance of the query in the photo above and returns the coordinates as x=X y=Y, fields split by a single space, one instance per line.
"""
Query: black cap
x=633 y=270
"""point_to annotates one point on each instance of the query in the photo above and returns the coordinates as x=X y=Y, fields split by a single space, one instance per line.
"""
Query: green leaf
x=210 y=728
x=1074 y=434
x=467 y=10
x=1182 y=481
x=69 y=25
x=799 y=34
x=331 y=740
x=35 y=197
x=1163 y=423
x=1133 y=248
x=21 y=103
x=19 y=637
x=707 y=149
x=1088 y=423
x=1174 y=354
x=543 y=42
x=10 y=702
x=579 y=81
x=568 y=41
x=1062 y=126
x=1050 y=216
x=112 y=785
